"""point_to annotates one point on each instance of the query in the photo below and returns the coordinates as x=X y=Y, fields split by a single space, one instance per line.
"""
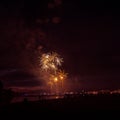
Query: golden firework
x=50 y=61
x=62 y=75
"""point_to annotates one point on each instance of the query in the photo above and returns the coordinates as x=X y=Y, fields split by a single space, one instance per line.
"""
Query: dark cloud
x=20 y=78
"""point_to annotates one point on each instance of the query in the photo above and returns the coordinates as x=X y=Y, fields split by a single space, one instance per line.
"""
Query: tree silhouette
x=1 y=91
x=1 y=86
x=6 y=95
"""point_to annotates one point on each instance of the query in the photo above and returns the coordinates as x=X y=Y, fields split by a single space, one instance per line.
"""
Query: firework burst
x=62 y=75
x=50 y=61
x=50 y=65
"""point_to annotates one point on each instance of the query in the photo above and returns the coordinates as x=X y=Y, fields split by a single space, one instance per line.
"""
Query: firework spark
x=50 y=61
x=62 y=75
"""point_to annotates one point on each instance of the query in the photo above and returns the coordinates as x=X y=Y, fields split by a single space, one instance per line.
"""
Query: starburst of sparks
x=62 y=75
x=50 y=61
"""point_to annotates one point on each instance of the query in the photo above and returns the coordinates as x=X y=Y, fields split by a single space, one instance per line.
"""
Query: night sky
x=85 y=33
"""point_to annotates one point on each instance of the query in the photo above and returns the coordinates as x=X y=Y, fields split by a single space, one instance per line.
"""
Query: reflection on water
x=35 y=98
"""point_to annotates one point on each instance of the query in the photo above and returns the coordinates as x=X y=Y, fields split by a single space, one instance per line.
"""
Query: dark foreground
x=77 y=107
